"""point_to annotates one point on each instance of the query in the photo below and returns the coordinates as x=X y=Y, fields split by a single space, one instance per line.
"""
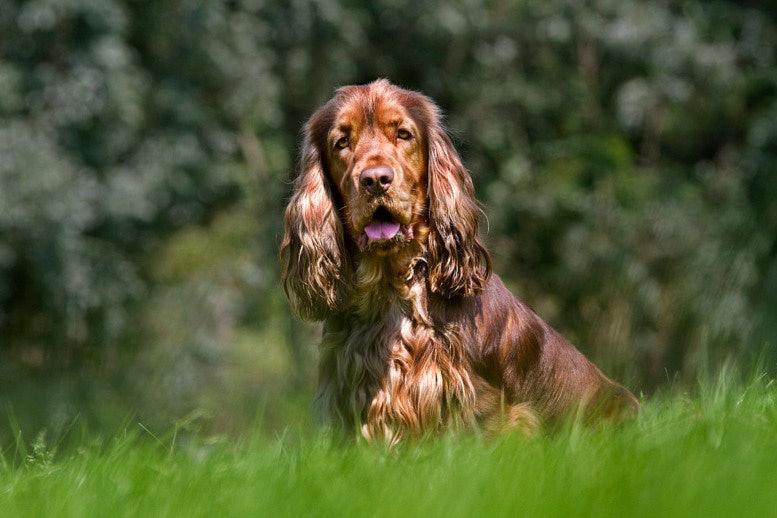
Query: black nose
x=376 y=180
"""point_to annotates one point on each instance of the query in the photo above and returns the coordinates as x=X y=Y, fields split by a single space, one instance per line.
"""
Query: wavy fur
x=381 y=243
x=313 y=260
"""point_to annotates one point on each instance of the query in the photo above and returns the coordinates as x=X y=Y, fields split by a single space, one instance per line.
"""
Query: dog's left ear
x=314 y=265
x=459 y=264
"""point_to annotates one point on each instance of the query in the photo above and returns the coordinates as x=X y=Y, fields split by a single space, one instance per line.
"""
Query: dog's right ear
x=312 y=253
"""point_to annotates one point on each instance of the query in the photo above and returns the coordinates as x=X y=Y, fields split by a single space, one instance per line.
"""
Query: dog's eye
x=342 y=143
x=403 y=134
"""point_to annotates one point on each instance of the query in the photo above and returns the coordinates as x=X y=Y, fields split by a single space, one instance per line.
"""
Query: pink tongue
x=378 y=230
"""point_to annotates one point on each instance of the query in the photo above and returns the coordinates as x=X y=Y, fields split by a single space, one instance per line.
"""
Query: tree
x=623 y=152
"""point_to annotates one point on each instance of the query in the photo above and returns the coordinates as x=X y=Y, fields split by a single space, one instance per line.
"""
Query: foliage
x=623 y=150
x=711 y=453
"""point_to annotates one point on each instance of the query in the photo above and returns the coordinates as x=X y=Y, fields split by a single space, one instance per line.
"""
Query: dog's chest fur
x=398 y=374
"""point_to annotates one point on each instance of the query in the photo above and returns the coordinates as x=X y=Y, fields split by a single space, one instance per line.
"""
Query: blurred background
x=624 y=151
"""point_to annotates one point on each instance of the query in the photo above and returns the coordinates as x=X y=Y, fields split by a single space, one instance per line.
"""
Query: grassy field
x=711 y=453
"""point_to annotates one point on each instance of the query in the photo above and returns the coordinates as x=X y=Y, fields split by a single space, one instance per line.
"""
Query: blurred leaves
x=624 y=152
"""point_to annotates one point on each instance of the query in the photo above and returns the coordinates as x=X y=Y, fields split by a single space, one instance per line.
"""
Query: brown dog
x=381 y=244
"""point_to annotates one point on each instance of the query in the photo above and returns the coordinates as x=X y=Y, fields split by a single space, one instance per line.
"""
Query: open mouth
x=384 y=230
x=383 y=226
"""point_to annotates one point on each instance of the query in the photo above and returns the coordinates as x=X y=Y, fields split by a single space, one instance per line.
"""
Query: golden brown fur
x=419 y=336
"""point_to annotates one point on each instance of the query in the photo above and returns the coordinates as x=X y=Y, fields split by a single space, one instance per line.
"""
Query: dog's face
x=379 y=177
x=375 y=147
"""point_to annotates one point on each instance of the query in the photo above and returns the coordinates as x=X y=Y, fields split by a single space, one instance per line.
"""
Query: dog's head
x=378 y=174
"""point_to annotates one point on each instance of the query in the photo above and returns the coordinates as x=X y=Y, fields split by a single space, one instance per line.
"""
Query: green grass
x=713 y=453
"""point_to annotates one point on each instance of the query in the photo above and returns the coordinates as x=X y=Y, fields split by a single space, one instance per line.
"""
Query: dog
x=420 y=336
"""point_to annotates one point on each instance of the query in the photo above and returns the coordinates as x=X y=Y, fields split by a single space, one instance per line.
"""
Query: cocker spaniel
x=381 y=243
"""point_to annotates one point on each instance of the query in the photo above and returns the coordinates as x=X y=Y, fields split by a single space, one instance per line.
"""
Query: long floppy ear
x=459 y=264
x=312 y=252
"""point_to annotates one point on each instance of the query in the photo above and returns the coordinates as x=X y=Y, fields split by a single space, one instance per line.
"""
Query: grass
x=713 y=453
